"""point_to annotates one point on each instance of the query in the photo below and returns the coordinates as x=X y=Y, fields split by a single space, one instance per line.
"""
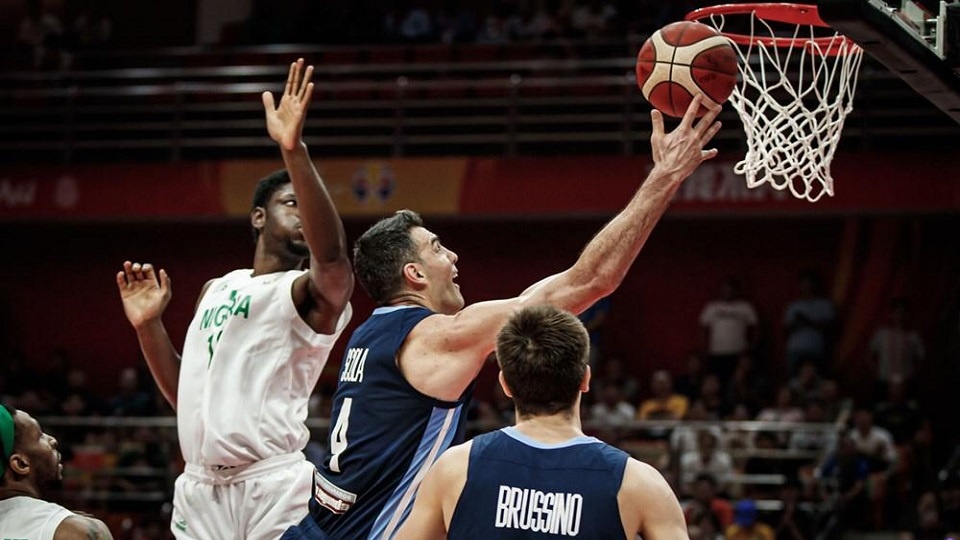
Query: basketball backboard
x=919 y=40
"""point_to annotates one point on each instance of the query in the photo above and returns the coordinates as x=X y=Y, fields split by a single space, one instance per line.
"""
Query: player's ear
x=19 y=464
x=503 y=384
x=585 y=383
x=411 y=271
x=257 y=217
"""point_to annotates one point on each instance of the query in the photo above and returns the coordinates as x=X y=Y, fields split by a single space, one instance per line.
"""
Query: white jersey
x=249 y=365
x=30 y=518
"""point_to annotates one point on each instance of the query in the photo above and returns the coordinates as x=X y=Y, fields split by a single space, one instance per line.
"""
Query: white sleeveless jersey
x=30 y=519
x=248 y=368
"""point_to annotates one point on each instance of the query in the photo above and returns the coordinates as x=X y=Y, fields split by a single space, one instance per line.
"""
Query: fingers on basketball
x=683 y=59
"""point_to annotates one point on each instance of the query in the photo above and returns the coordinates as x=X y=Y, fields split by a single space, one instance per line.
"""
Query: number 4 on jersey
x=338 y=439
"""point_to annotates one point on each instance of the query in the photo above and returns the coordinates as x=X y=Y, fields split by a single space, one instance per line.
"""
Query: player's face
x=40 y=449
x=283 y=223
x=439 y=266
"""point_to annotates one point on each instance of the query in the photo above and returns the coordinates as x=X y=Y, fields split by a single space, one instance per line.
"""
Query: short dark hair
x=266 y=187
x=542 y=352
x=380 y=253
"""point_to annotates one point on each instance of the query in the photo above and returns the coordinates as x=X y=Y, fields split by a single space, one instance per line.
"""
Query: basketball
x=684 y=58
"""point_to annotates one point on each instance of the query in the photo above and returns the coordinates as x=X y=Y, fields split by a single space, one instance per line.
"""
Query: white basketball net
x=793 y=125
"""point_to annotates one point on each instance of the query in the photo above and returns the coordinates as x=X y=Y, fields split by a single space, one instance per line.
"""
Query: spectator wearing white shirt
x=611 y=413
x=729 y=327
x=876 y=445
x=707 y=458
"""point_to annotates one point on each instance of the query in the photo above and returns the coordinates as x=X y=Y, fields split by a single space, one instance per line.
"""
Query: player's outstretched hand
x=285 y=120
x=679 y=152
x=144 y=292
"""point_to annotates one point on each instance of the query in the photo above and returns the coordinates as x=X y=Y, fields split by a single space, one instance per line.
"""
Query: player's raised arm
x=145 y=295
x=448 y=351
x=330 y=283
x=606 y=259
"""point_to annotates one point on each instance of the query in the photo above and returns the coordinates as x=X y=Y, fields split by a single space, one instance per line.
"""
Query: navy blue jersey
x=518 y=488
x=384 y=435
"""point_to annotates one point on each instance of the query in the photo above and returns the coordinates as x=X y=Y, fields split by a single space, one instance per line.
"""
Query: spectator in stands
x=711 y=395
x=842 y=481
x=91 y=27
x=836 y=408
x=705 y=526
x=131 y=400
x=684 y=437
x=611 y=412
x=456 y=23
x=707 y=458
x=913 y=437
x=664 y=403
x=416 y=26
x=29 y=467
x=533 y=23
x=612 y=370
x=783 y=411
x=592 y=19
x=77 y=386
x=746 y=526
x=494 y=28
x=747 y=386
x=764 y=465
x=814 y=437
x=924 y=521
x=40 y=36
x=873 y=442
x=729 y=328
x=705 y=497
x=791 y=522
x=690 y=380
x=810 y=320
x=876 y=445
x=736 y=437
x=806 y=383
x=898 y=414
x=141 y=463
x=896 y=349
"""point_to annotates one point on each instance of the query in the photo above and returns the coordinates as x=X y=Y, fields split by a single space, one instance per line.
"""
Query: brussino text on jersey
x=537 y=511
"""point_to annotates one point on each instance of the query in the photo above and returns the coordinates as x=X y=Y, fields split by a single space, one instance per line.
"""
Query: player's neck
x=550 y=429
x=408 y=298
x=9 y=492
x=268 y=263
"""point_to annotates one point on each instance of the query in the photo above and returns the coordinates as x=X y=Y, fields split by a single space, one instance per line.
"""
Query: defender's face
x=282 y=226
x=40 y=449
x=439 y=267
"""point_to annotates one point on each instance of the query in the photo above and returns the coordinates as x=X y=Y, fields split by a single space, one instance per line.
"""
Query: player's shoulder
x=77 y=527
x=451 y=467
x=642 y=480
x=455 y=456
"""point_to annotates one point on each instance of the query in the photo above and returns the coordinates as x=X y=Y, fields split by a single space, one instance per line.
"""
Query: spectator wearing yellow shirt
x=665 y=404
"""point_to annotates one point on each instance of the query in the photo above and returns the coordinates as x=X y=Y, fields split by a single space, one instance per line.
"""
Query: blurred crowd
x=752 y=452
